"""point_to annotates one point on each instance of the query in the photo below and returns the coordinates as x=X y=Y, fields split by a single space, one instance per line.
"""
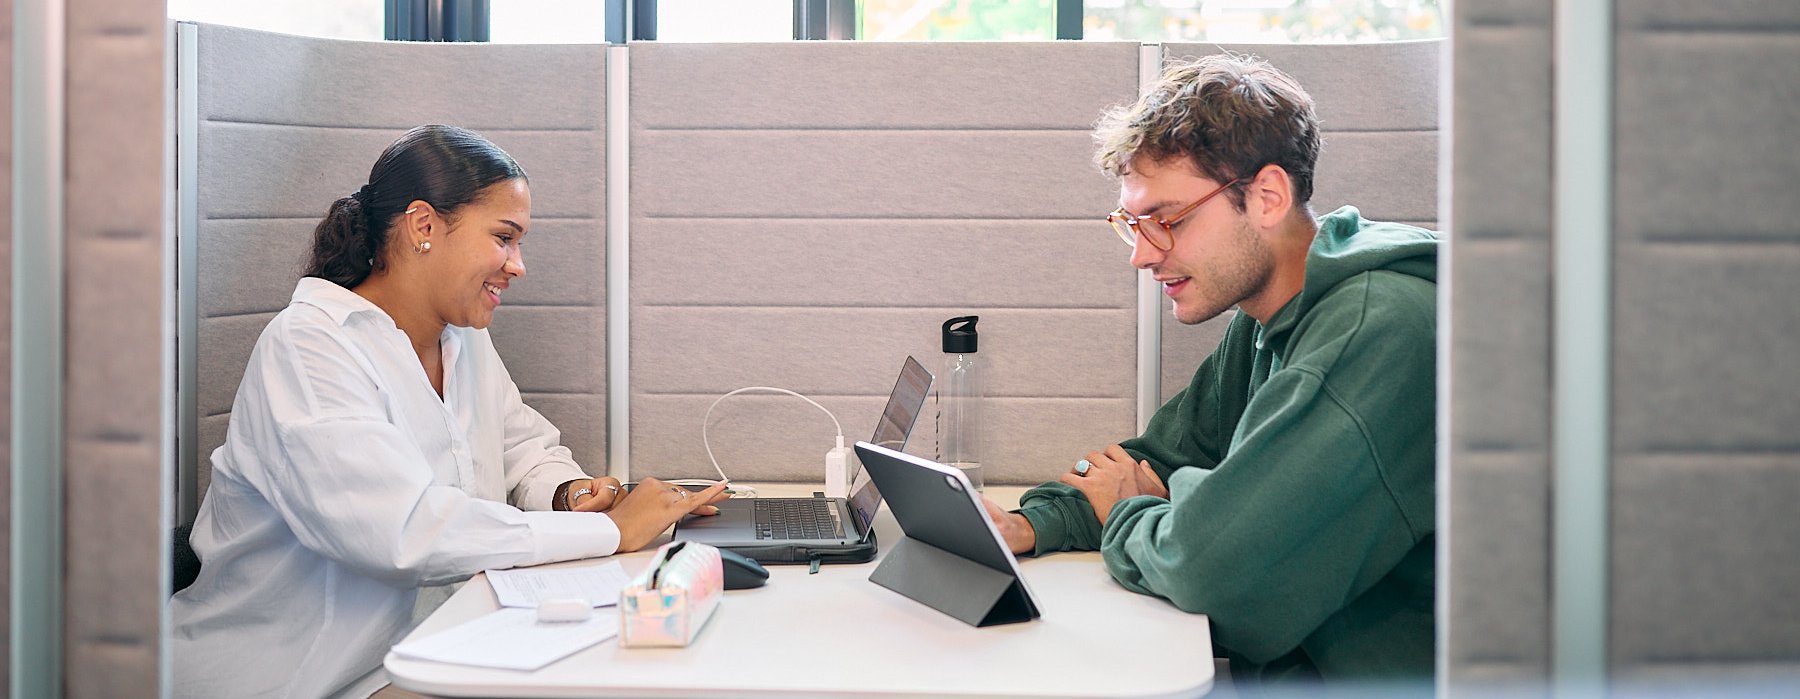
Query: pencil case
x=666 y=605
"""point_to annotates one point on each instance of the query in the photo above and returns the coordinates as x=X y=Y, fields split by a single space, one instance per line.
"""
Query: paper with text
x=511 y=639
x=525 y=587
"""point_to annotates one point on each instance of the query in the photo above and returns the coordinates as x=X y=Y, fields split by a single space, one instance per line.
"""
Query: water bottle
x=959 y=398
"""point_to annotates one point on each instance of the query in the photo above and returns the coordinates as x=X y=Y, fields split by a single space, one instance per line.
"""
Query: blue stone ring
x=1082 y=466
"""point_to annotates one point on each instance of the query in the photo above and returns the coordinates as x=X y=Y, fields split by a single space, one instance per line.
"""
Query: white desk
x=837 y=634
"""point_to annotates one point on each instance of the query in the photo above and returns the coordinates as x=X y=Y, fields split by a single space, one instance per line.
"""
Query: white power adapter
x=837 y=470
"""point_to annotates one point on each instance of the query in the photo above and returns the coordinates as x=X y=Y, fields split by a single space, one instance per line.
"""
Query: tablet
x=936 y=505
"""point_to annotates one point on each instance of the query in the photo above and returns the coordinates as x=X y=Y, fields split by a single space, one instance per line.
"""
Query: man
x=1299 y=507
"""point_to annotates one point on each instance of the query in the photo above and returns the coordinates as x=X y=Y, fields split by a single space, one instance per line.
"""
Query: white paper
x=524 y=587
x=511 y=639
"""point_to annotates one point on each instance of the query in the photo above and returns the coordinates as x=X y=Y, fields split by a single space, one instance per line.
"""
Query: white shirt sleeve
x=536 y=461
x=355 y=489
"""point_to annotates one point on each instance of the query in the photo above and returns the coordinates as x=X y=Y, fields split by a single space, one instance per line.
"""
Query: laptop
x=827 y=530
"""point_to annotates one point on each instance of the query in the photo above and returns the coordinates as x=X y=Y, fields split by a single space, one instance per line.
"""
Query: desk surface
x=837 y=634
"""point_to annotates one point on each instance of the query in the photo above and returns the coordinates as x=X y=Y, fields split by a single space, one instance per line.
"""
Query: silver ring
x=613 y=488
x=1082 y=466
x=679 y=490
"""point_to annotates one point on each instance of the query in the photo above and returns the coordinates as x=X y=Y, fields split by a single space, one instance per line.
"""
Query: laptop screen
x=903 y=406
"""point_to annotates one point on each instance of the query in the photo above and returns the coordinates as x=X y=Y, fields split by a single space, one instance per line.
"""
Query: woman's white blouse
x=344 y=485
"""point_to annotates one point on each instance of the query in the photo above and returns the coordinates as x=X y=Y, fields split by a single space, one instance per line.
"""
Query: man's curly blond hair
x=1232 y=114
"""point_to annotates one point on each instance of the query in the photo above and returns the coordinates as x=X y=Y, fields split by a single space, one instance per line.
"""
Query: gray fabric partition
x=115 y=410
x=1706 y=263
x=806 y=215
x=6 y=261
x=289 y=124
x=1378 y=113
x=1496 y=587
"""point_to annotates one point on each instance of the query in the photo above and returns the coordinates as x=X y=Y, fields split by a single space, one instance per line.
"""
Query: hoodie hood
x=1348 y=245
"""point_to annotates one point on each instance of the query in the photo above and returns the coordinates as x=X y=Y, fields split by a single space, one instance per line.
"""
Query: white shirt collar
x=337 y=302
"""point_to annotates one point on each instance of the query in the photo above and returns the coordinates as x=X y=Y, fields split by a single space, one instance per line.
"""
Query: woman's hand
x=603 y=493
x=652 y=506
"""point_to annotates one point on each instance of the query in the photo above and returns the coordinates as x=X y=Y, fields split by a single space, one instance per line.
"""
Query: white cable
x=707 y=419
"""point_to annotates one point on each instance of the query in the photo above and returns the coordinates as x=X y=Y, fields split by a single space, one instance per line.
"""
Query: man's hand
x=1149 y=483
x=1014 y=528
x=1112 y=475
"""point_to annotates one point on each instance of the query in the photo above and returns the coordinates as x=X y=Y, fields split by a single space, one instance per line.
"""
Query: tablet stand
x=974 y=593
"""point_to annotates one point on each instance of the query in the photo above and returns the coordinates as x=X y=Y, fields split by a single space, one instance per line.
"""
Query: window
x=545 y=21
x=1263 y=21
x=958 y=20
x=584 y=21
x=724 y=20
x=334 y=19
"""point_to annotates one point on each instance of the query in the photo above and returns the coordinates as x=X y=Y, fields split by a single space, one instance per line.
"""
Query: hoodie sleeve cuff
x=1061 y=519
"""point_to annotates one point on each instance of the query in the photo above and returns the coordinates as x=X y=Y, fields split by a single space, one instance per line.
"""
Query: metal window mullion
x=434 y=21
x=1069 y=16
x=406 y=20
x=809 y=16
x=1582 y=254
x=825 y=20
x=38 y=138
x=480 y=21
x=643 y=20
x=618 y=17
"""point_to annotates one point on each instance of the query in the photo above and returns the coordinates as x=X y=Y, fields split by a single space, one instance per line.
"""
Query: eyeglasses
x=1161 y=235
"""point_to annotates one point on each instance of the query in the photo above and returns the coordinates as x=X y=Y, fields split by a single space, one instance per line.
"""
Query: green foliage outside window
x=958 y=20
x=1246 y=21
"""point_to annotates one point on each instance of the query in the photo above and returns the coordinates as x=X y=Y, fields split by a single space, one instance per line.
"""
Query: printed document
x=511 y=639
x=525 y=587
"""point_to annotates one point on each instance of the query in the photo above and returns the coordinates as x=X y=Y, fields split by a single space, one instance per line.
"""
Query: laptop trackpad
x=730 y=524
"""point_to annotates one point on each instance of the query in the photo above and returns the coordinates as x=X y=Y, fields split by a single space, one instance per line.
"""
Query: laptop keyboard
x=796 y=518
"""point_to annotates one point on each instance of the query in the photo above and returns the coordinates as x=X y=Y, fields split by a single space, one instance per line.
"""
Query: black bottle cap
x=959 y=335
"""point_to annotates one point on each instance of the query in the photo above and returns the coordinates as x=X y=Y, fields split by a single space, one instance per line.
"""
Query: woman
x=377 y=444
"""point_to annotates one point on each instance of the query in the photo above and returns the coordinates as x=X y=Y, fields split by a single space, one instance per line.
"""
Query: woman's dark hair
x=444 y=166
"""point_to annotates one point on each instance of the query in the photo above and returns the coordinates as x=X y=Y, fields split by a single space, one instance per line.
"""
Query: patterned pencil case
x=667 y=604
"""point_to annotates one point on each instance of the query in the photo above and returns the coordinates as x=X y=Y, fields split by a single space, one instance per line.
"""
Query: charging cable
x=837 y=460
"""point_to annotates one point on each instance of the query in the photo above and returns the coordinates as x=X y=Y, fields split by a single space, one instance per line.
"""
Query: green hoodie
x=1301 y=473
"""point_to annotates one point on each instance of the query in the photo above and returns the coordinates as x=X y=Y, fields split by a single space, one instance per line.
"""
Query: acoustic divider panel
x=116 y=404
x=1378 y=110
x=1706 y=267
x=806 y=215
x=287 y=125
x=6 y=323
x=1495 y=595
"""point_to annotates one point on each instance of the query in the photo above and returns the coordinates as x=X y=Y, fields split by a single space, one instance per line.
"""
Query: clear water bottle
x=959 y=399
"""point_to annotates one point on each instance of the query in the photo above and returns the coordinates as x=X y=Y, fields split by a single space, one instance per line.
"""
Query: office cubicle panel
x=1497 y=617
x=287 y=125
x=806 y=215
x=6 y=323
x=1378 y=112
x=1706 y=265
x=116 y=405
